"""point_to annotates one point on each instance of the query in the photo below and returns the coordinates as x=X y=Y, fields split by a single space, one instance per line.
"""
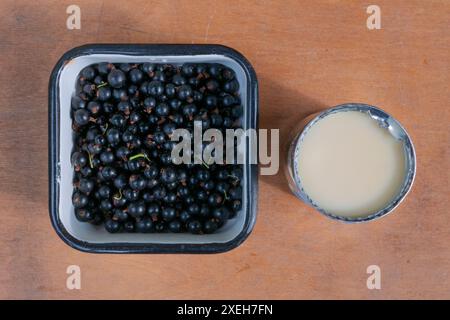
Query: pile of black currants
x=123 y=119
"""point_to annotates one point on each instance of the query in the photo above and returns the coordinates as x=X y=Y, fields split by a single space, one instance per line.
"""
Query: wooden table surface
x=308 y=55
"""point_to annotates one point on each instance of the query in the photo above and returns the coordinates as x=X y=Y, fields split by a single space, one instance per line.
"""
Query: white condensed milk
x=352 y=163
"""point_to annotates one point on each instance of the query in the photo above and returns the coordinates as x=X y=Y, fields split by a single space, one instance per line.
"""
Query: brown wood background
x=308 y=55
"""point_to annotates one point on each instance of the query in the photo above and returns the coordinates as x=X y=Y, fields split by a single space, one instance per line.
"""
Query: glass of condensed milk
x=353 y=162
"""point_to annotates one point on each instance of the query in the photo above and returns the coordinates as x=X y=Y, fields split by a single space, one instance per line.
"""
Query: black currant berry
x=116 y=78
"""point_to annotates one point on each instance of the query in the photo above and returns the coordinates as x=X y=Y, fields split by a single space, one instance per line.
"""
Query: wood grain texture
x=308 y=55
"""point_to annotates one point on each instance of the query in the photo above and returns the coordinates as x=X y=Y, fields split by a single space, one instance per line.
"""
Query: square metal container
x=90 y=238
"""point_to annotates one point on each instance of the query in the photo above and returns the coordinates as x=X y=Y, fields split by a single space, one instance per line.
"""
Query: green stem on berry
x=103 y=84
x=118 y=197
x=205 y=164
x=140 y=155
x=225 y=196
x=106 y=128
x=90 y=160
